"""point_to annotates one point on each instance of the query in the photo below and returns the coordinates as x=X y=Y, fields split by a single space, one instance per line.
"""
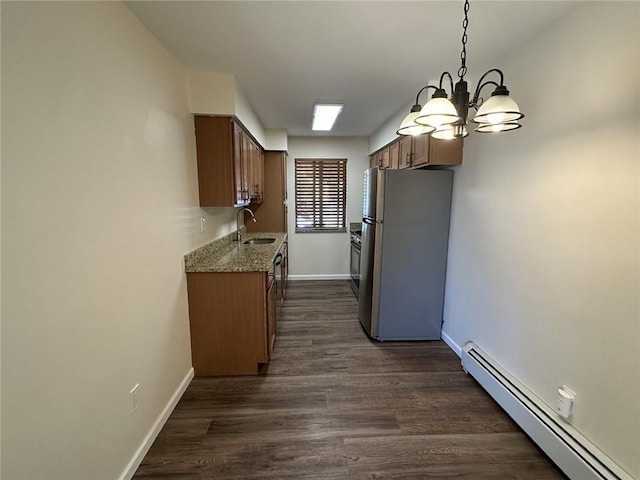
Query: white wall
x=247 y=116
x=218 y=94
x=325 y=255
x=276 y=139
x=387 y=132
x=99 y=205
x=543 y=268
x=212 y=93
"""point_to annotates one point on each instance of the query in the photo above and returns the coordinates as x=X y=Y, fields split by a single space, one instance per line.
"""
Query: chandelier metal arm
x=447 y=74
x=426 y=87
x=476 y=96
x=481 y=85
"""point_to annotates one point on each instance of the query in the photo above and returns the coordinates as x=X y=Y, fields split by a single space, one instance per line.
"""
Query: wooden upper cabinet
x=384 y=158
x=376 y=160
x=271 y=214
x=256 y=172
x=243 y=161
x=394 y=155
x=445 y=152
x=259 y=175
x=229 y=163
x=404 y=154
x=222 y=180
x=420 y=150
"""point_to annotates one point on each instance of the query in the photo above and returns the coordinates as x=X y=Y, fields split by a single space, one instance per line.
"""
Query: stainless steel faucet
x=238 y=236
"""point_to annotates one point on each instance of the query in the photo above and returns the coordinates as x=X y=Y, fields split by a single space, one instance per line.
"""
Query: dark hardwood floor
x=334 y=405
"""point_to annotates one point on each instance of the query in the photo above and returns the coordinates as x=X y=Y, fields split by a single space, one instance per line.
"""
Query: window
x=321 y=195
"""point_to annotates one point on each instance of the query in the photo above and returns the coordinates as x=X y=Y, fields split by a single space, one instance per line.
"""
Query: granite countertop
x=226 y=255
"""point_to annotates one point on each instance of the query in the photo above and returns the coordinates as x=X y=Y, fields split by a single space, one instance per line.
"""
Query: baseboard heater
x=576 y=456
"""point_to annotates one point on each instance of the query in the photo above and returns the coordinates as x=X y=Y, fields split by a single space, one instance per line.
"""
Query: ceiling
x=373 y=56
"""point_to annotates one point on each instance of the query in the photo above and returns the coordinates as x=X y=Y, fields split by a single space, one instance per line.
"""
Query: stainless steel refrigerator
x=405 y=234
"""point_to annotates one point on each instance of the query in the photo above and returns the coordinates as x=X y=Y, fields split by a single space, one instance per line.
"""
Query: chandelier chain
x=462 y=71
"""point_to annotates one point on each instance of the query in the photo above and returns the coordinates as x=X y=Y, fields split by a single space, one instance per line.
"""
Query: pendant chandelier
x=446 y=118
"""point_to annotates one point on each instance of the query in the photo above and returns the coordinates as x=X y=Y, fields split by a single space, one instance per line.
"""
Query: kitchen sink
x=259 y=241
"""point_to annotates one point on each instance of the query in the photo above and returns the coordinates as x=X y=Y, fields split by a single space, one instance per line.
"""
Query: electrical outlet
x=135 y=399
x=203 y=224
x=564 y=402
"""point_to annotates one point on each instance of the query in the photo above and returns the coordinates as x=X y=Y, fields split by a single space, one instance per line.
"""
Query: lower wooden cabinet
x=284 y=271
x=233 y=317
x=272 y=302
x=233 y=322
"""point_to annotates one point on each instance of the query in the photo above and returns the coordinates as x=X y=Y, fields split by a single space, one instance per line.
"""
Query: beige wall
x=544 y=248
x=219 y=94
x=325 y=255
x=99 y=204
x=0 y=264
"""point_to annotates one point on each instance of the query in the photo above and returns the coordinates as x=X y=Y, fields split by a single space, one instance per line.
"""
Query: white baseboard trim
x=338 y=276
x=131 y=467
x=457 y=349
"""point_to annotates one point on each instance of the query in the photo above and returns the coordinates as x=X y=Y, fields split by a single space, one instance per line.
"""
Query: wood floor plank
x=334 y=405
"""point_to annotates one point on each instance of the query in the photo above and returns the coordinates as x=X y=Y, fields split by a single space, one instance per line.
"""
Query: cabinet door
x=260 y=173
x=420 y=150
x=246 y=156
x=228 y=324
x=446 y=152
x=271 y=215
x=251 y=165
x=405 y=152
x=255 y=166
x=394 y=155
x=271 y=315
x=240 y=164
x=285 y=207
x=384 y=158
x=376 y=160
x=218 y=153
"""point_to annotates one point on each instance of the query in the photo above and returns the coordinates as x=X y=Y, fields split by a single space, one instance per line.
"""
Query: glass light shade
x=438 y=112
x=410 y=127
x=498 y=109
x=498 y=127
x=447 y=132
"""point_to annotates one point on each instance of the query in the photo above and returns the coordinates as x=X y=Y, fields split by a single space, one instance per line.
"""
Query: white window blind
x=321 y=195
